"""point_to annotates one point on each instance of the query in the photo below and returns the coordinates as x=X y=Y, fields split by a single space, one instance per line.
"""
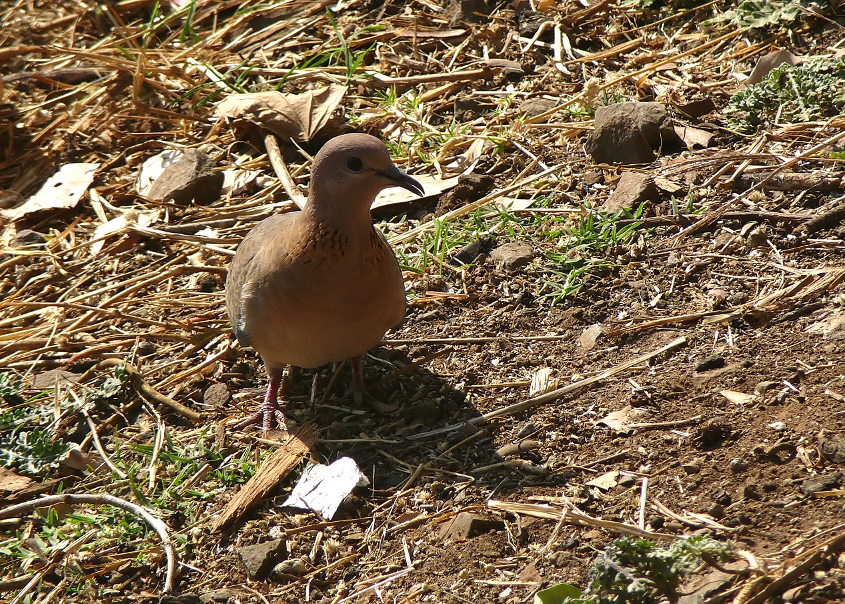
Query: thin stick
x=70 y=499
x=281 y=169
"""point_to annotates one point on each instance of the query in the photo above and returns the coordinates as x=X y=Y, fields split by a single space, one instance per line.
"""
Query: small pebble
x=738 y=465
x=526 y=430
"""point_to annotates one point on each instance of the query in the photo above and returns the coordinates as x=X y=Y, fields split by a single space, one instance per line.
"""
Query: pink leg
x=357 y=389
x=269 y=409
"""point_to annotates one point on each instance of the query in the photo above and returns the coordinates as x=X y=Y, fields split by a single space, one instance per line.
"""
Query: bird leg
x=269 y=410
x=359 y=391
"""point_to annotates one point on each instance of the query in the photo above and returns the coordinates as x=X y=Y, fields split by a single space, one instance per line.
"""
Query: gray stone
x=536 y=106
x=825 y=482
x=217 y=395
x=631 y=190
x=190 y=178
x=619 y=141
x=762 y=387
x=513 y=256
x=259 y=559
x=833 y=448
x=629 y=133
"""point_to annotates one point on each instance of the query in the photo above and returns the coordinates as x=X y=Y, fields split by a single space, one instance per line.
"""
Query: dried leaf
x=433 y=187
x=617 y=419
x=62 y=190
x=737 y=398
x=588 y=337
x=768 y=62
x=541 y=382
x=298 y=116
x=11 y=482
x=606 y=481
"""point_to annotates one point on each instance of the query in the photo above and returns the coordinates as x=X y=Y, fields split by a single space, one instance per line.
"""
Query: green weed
x=801 y=93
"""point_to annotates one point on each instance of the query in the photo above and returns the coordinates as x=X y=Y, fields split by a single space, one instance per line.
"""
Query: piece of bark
x=277 y=466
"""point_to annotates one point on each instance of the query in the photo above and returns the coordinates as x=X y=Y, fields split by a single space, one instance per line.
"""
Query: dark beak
x=400 y=179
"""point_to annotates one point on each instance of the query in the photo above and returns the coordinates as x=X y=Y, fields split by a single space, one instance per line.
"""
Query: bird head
x=349 y=171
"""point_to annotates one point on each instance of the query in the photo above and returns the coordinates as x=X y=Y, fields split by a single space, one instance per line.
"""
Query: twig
x=281 y=169
x=72 y=499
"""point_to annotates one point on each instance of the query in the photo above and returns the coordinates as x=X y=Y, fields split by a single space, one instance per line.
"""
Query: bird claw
x=266 y=416
x=360 y=396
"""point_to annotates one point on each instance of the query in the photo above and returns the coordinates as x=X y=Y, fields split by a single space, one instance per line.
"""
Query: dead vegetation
x=591 y=350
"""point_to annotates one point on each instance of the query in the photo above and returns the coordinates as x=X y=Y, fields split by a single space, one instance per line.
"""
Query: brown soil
x=730 y=427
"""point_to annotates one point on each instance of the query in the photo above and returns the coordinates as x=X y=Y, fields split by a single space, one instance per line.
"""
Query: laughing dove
x=321 y=285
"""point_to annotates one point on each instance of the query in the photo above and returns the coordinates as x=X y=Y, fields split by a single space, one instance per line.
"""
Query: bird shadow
x=418 y=430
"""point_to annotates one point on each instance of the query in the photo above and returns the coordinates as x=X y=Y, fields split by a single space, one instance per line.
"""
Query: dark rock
x=750 y=491
x=627 y=481
x=717 y=511
x=825 y=482
x=260 y=558
x=631 y=190
x=466 y=526
x=593 y=177
x=657 y=522
x=217 y=395
x=691 y=467
x=27 y=237
x=526 y=430
x=513 y=256
x=619 y=141
x=738 y=465
x=714 y=362
x=833 y=448
x=651 y=119
x=146 y=348
x=471 y=251
x=535 y=106
x=190 y=178
x=219 y=595
x=762 y=387
x=470 y=188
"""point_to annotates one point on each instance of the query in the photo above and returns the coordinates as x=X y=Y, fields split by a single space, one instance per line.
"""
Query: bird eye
x=354 y=163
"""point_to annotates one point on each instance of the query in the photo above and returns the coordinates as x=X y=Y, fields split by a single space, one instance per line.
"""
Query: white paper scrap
x=322 y=488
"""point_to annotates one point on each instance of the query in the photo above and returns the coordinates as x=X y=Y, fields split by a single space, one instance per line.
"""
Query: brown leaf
x=298 y=116
x=776 y=58
x=12 y=482
x=62 y=190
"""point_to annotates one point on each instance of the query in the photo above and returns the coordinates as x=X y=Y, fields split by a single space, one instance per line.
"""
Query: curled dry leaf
x=297 y=116
x=62 y=190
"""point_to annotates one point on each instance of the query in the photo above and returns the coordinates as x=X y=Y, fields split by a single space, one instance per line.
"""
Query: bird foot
x=266 y=416
x=269 y=412
x=361 y=396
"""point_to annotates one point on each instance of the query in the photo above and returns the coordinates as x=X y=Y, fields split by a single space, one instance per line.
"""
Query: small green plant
x=798 y=93
x=26 y=445
x=10 y=389
x=582 y=250
x=758 y=14
x=350 y=60
x=638 y=571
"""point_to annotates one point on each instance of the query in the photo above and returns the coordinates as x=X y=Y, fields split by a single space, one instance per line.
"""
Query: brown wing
x=245 y=270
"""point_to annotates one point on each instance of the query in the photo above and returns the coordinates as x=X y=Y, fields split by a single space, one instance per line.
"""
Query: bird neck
x=337 y=214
